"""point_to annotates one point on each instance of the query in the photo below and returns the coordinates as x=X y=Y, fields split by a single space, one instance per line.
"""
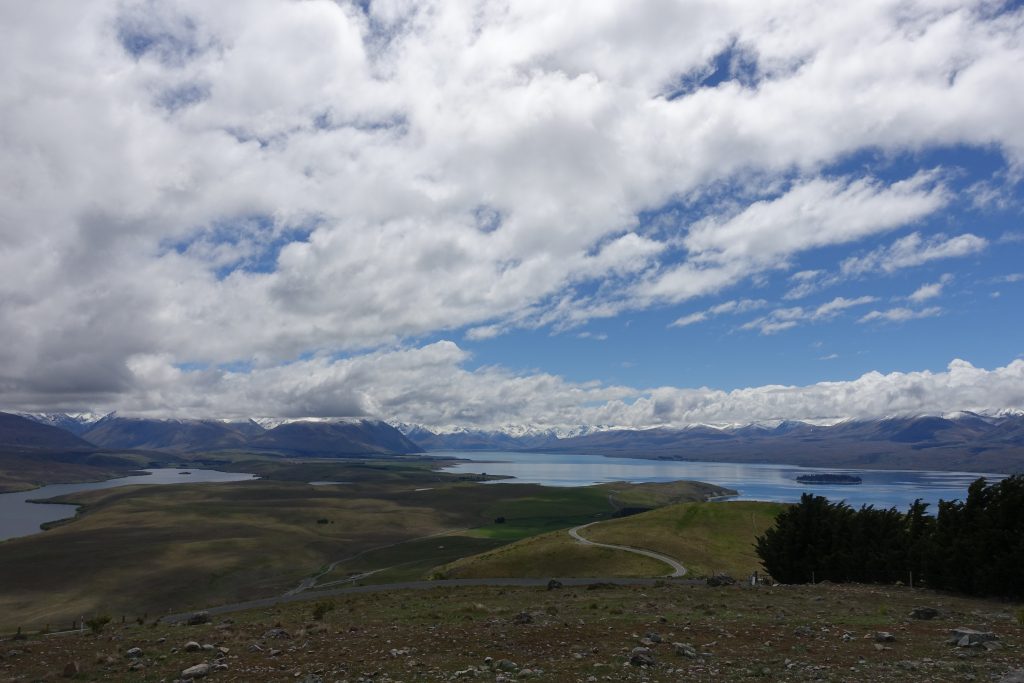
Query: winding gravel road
x=305 y=590
x=677 y=569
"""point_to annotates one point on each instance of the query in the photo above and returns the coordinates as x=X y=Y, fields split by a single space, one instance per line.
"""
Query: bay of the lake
x=881 y=488
x=19 y=517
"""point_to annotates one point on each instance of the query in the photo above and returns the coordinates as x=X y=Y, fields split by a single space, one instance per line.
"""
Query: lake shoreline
x=45 y=512
x=756 y=482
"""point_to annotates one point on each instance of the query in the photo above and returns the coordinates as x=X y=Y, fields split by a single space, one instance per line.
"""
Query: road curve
x=677 y=569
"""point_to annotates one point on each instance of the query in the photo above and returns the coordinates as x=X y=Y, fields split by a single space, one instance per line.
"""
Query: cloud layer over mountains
x=271 y=207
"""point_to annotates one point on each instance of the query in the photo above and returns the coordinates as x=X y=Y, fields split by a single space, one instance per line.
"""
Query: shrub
x=321 y=609
x=96 y=624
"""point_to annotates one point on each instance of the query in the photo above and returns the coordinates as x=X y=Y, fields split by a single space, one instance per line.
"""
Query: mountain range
x=962 y=441
x=313 y=438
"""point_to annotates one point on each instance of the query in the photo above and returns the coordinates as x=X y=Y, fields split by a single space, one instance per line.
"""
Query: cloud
x=930 y=291
x=764 y=235
x=728 y=307
x=834 y=307
x=787 y=318
x=814 y=213
x=807 y=282
x=900 y=314
x=266 y=181
x=913 y=250
x=432 y=385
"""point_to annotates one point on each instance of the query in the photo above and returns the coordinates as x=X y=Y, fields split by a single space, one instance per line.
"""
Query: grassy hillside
x=29 y=471
x=623 y=494
x=705 y=537
x=145 y=549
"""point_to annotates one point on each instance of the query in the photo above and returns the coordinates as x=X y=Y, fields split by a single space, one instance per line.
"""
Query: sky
x=644 y=213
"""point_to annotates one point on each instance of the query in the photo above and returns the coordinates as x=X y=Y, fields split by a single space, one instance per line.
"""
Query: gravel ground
x=669 y=632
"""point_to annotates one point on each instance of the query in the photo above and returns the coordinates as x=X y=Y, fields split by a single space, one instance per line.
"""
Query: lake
x=18 y=517
x=881 y=488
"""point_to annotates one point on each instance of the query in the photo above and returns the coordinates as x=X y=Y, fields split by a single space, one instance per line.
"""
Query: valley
x=325 y=525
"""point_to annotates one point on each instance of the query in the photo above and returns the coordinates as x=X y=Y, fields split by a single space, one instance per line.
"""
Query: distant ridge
x=962 y=440
x=315 y=438
x=20 y=435
x=965 y=441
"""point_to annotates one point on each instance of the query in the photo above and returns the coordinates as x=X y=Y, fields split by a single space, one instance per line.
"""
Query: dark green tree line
x=975 y=546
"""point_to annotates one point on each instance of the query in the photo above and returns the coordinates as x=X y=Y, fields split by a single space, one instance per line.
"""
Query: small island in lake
x=829 y=479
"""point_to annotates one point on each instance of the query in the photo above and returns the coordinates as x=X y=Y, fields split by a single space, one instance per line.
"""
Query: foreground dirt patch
x=601 y=633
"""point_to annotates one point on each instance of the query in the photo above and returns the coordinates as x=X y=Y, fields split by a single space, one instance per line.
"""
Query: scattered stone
x=1013 y=677
x=803 y=632
x=924 y=613
x=136 y=665
x=506 y=665
x=208 y=648
x=523 y=618
x=197 y=671
x=71 y=669
x=525 y=673
x=278 y=634
x=220 y=666
x=642 y=656
x=968 y=637
x=554 y=584
x=654 y=637
x=134 y=653
x=685 y=650
x=193 y=646
x=199 y=618
x=884 y=637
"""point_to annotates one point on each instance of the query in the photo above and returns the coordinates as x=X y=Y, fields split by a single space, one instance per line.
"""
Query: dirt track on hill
x=678 y=570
